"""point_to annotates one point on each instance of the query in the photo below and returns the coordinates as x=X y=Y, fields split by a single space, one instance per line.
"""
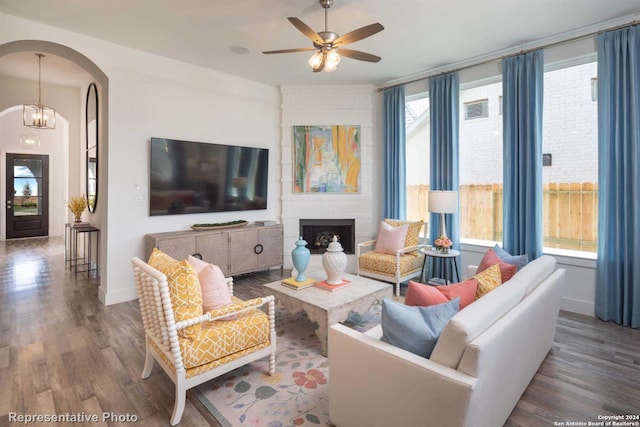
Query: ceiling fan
x=329 y=45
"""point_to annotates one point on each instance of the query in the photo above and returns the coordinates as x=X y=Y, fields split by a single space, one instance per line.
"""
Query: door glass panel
x=27 y=178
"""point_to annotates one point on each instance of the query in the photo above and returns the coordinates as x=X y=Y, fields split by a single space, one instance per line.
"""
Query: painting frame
x=327 y=159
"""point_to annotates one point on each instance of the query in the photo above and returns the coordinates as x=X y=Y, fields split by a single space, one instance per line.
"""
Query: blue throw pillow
x=518 y=260
x=415 y=329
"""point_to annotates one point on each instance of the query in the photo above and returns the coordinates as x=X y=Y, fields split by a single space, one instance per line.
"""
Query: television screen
x=195 y=177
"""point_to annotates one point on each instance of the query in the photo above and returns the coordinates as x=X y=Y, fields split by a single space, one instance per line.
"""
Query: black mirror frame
x=91 y=206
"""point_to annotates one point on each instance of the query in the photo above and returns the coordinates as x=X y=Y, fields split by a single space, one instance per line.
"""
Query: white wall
x=154 y=96
x=330 y=105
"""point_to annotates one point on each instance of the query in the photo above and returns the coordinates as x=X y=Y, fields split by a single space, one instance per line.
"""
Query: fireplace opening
x=319 y=233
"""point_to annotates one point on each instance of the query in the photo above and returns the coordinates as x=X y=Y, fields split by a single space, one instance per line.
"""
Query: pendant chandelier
x=38 y=115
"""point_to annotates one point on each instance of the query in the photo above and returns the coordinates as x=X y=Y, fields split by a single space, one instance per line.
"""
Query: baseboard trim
x=578 y=306
x=109 y=298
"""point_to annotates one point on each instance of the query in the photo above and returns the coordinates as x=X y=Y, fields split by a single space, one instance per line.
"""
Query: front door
x=27 y=195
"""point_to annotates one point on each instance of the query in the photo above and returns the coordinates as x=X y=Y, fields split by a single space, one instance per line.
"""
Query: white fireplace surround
x=327 y=105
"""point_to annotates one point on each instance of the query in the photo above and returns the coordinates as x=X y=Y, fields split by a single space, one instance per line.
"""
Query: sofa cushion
x=390 y=239
x=415 y=329
x=488 y=280
x=184 y=288
x=518 y=260
x=472 y=321
x=422 y=295
x=532 y=274
x=490 y=258
x=386 y=264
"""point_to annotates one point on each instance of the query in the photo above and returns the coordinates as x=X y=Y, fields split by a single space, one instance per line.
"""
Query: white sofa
x=482 y=363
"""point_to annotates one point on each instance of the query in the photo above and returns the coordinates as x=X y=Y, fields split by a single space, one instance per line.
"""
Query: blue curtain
x=522 y=78
x=444 y=107
x=618 y=274
x=394 y=188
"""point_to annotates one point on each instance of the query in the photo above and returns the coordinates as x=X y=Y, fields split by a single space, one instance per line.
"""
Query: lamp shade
x=443 y=201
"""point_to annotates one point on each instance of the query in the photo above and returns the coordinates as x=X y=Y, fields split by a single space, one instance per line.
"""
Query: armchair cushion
x=386 y=264
x=415 y=329
x=184 y=289
x=215 y=290
x=391 y=239
x=413 y=233
x=218 y=339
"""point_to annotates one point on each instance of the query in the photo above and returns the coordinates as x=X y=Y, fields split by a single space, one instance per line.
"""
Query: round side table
x=444 y=259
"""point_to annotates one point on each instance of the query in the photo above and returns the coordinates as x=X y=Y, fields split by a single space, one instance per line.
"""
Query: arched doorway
x=99 y=217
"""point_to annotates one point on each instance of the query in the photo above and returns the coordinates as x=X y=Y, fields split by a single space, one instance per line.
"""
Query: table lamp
x=442 y=202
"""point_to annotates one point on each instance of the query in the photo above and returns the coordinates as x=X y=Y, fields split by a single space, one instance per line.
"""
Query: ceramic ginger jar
x=334 y=262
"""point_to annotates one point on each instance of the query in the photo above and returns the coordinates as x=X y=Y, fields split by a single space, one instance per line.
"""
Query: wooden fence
x=570 y=213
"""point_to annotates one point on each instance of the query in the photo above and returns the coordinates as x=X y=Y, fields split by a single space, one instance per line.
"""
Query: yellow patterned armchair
x=405 y=264
x=193 y=346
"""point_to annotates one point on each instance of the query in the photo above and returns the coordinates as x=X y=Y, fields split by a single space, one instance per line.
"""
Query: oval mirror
x=91 y=129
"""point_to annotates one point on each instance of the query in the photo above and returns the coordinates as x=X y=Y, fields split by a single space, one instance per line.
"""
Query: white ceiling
x=419 y=35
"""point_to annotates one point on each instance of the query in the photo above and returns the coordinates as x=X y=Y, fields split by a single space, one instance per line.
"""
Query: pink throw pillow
x=422 y=295
x=215 y=291
x=490 y=258
x=390 y=238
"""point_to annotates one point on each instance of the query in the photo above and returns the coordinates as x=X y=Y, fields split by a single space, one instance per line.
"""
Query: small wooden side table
x=443 y=257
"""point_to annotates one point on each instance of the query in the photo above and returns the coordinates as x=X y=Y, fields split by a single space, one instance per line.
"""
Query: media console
x=234 y=250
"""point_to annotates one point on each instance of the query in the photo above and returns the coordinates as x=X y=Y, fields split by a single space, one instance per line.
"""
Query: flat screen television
x=194 y=177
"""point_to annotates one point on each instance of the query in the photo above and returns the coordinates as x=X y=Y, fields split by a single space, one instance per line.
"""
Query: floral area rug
x=297 y=394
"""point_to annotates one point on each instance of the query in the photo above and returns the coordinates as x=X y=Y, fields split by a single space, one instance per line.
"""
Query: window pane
x=570 y=181
x=417 y=152
x=26 y=197
x=481 y=165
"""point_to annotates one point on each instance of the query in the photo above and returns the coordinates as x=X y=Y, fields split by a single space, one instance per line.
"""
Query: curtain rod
x=500 y=58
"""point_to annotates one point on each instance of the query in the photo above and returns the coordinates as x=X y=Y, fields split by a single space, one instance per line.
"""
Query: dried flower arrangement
x=77 y=205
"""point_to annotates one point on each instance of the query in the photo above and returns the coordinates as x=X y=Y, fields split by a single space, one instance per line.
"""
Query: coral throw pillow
x=422 y=295
x=390 y=239
x=488 y=280
x=215 y=291
x=518 y=260
x=490 y=258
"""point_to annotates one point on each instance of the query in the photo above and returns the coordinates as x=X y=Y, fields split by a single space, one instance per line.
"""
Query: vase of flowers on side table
x=77 y=205
x=443 y=244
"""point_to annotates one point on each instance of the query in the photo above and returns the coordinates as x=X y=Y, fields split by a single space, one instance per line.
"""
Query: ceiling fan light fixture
x=332 y=61
x=316 y=60
x=39 y=116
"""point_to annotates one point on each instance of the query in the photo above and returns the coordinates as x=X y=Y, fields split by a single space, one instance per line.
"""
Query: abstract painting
x=326 y=159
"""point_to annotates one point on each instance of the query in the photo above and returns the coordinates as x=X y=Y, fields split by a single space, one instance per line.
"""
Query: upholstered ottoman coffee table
x=327 y=308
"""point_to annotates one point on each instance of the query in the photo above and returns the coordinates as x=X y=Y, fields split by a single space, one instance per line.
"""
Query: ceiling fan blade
x=300 y=49
x=304 y=29
x=356 y=54
x=358 y=34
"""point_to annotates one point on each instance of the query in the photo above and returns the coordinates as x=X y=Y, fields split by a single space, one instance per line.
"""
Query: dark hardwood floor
x=62 y=351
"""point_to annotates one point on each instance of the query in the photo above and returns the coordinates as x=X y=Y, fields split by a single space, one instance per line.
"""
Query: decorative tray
x=232 y=224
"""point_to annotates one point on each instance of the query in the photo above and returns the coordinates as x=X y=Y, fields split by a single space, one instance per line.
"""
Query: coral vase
x=334 y=262
x=301 y=256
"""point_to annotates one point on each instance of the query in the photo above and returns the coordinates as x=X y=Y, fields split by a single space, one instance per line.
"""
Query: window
x=476 y=109
x=417 y=152
x=481 y=163
x=594 y=89
x=570 y=135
